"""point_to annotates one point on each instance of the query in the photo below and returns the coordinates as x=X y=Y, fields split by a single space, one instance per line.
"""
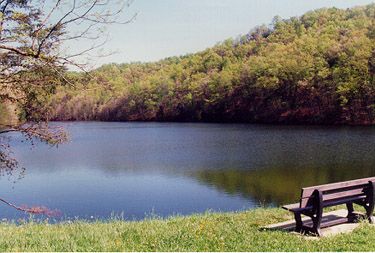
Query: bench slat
x=336 y=202
x=339 y=190
x=336 y=195
x=307 y=191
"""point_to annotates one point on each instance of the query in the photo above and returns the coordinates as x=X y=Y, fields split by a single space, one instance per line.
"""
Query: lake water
x=142 y=169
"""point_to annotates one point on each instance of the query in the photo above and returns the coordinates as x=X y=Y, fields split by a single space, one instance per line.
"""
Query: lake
x=138 y=170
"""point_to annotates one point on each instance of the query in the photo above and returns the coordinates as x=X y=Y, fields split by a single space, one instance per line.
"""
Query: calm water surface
x=163 y=169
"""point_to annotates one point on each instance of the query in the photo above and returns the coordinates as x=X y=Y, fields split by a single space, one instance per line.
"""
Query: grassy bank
x=207 y=232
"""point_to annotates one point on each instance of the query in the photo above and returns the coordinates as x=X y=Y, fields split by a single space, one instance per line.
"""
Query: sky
x=166 y=28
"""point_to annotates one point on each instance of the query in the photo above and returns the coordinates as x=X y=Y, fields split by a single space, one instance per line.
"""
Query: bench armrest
x=295 y=208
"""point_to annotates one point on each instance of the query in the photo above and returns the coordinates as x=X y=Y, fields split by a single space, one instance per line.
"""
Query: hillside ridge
x=318 y=68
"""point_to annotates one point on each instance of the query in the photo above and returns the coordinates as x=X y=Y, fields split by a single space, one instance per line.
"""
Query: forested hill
x=316 y=69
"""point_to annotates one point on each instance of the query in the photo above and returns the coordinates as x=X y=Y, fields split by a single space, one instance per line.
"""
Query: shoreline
x=235 y=231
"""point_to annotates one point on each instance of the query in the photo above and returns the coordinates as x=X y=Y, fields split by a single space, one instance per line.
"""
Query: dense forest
x=315 y=69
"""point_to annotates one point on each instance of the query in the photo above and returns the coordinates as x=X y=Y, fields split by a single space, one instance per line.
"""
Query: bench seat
x=315 y=198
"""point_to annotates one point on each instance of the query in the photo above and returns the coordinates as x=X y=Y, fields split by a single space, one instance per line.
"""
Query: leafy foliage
x=318 y=68
x=33 y=63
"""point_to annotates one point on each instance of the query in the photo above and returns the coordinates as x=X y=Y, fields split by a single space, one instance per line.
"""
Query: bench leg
x=316 y=226
x=318 y=213
x=369 y=206
x=371 y=219
x=299 y=224
x=351 y=216
x=369 y=213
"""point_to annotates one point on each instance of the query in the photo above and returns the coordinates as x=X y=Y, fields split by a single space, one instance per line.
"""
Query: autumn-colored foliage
x=317 y=68
x=42 y=210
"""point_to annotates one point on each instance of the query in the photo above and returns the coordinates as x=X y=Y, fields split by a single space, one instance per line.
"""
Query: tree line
x=318 y=68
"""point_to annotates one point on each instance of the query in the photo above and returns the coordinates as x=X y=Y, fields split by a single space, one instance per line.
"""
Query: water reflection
x=170 y=168
x=276 y=186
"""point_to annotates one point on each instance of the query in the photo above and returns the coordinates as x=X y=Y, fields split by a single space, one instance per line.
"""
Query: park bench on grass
x=315 y=198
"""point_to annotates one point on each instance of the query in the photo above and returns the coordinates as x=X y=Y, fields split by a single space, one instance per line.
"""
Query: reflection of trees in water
x=278 y=185
x=307 y=160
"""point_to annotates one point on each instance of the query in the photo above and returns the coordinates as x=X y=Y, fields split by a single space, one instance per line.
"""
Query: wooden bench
x=315 y=198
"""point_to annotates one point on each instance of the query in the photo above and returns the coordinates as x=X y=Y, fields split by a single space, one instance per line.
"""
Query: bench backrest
x=336 y=190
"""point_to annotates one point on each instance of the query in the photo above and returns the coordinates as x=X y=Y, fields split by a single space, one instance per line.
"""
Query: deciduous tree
x=34 y=55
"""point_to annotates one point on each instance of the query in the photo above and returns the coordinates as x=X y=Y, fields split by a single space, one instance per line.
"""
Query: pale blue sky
x=174 y=27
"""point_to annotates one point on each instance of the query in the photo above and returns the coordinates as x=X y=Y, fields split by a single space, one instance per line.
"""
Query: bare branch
x=32 y=62
x=16 y=50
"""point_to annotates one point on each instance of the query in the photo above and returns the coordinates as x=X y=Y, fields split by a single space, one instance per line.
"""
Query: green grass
x=202 y=232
